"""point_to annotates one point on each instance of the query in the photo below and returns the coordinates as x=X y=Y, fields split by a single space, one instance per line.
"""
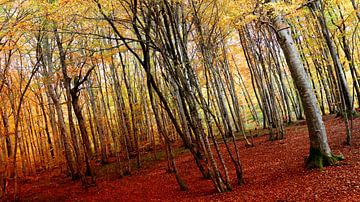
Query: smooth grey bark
x=320 y=152
x=318 y=10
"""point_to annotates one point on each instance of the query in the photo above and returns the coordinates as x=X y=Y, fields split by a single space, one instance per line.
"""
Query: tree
x=320 y=152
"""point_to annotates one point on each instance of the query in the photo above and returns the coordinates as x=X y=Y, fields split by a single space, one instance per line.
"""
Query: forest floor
x=273 y=171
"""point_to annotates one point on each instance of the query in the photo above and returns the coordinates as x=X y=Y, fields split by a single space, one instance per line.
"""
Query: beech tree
x=320 y=152
x=89 y=83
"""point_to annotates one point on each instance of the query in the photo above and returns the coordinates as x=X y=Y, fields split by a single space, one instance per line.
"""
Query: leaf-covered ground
x=273 y=171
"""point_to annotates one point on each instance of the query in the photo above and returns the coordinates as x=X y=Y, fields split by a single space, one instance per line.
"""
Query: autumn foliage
x=179 y=100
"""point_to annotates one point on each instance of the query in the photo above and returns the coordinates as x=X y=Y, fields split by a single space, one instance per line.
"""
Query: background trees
x=88 y=81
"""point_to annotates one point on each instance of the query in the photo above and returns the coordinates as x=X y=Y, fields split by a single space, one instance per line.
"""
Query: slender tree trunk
x=58 y=146
x=92 y=130
x=161 y=128
x=16 y=118
x=6 y=126
x=64 y=135
x=47 y=131
x=356 y=8
x=121 y=115
x=2 y=166
x=47 y=71
x=130 y=96
x=319 y=13
x=99 y=126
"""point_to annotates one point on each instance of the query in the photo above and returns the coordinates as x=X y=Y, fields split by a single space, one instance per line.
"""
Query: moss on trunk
x=317 y=159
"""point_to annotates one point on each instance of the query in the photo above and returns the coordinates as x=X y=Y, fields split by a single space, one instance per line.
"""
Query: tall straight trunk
x=47 y=131
x=244 y=89
x=30 y=138
x=7 y=134
x=39 y=137
x=99 y=126
x=349 y=57
x=105 y=108
x=318 y=10
x=31 y=134
x=63 y=134
x=6 y=127
x=145 y=112
x=130 y=95
x=121 y=115
x=184 y=123
x=24 y=159
x=58 y=146
x=320 y=152
x=71 y=122
x=92 y=130
x=27 y=146
x=283 y=87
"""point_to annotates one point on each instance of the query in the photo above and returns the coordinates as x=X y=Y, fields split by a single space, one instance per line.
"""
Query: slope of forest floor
x=273 y=171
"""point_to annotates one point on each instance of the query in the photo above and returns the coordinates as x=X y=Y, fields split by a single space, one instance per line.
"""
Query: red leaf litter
x=273 y=171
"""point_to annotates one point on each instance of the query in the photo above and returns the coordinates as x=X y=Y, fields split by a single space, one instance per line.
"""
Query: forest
x=179 y=100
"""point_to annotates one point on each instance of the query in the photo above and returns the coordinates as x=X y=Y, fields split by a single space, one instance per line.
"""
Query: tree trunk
x=84 y=134
x=47 y=131
x=47 y=71
x=319 y=13
x=99 y=125
x=6 y=126
x=320 y=152
x=63 y=134
x=2 y=165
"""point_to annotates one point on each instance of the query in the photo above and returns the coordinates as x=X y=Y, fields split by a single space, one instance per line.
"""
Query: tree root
x=317 y=159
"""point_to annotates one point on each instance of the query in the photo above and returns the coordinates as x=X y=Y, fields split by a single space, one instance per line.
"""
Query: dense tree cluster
x=93 y=80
